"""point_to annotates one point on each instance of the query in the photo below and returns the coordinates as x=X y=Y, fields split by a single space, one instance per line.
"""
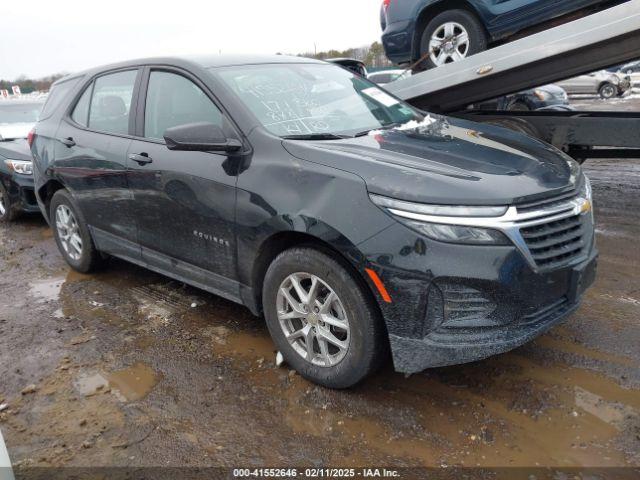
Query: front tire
x=322 y=319
x=72 y=234
x=8 y=211
x=450 y=37
x=607 y=91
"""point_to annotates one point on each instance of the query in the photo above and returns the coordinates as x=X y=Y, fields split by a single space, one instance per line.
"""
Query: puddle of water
x=46 y=290
x=73 y=276
x=564 y=345
x=133 y=383
x=247 y=346
x=89 y=385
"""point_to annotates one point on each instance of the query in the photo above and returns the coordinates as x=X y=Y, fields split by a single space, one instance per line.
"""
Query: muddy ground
x=128 y=368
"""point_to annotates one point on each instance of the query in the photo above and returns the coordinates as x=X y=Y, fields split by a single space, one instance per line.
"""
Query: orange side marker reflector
x=379 y=285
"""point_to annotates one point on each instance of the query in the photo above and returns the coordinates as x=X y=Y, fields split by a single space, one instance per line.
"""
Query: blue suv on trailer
x=450 y=30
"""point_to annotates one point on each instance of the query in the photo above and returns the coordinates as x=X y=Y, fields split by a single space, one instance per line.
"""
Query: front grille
x=556 y=243
x=549 y=202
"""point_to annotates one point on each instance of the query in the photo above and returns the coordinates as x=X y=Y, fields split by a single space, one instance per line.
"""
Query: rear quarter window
x=56 y=97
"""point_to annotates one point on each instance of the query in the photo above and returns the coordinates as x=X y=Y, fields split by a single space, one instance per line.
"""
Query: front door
x=184 y=201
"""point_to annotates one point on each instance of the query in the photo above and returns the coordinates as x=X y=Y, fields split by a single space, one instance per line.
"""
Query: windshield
x=313 y=100
x=11 y=113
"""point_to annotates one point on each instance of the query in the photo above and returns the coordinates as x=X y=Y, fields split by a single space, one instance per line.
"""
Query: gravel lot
x=128 y=368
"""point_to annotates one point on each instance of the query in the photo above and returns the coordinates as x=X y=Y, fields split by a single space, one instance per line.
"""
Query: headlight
x=411 y=214
x=542 y=95
x=20 y=166
x=458 y=233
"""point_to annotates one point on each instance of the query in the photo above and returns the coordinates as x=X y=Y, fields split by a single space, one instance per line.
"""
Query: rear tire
x=607 y=91
x=459 y=34
x=72 y=234
x=351 y=320
x=8 y=211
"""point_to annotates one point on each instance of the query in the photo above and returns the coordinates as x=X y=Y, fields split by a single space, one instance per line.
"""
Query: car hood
x=447 y=161
x=15 y=149
x=552 y=89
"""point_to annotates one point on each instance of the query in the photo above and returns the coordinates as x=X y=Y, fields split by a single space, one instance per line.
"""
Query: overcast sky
x=39 y=37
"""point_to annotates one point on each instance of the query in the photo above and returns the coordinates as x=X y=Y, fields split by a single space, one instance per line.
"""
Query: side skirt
x=168 y=266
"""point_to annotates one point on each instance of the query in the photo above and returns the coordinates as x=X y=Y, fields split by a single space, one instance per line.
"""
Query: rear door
x=91 y=157
x=184 y=201
x=582 y=84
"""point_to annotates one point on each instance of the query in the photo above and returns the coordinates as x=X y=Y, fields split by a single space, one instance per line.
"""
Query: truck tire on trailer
x=449 y=37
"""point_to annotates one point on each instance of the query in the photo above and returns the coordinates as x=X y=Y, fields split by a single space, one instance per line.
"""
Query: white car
x=387 y=76
x=603 y=83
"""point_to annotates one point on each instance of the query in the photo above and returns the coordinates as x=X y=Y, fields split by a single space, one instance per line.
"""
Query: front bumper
x=21 y=192
x=453 y=304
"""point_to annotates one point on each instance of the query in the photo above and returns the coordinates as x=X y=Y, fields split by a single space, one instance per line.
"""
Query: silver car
x=384 y=77
x=603 y=83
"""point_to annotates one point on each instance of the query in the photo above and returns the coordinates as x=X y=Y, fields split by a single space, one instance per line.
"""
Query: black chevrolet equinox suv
x=356 y=224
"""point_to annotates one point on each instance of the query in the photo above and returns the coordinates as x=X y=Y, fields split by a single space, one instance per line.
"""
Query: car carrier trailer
x=609 y=37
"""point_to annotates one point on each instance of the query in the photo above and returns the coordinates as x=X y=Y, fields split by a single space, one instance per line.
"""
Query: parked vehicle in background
x=354 y=222
x=356 y=66
x=631 y=70
x=539 y=98
x=384 y=77
x=603 y=83
x=17 y=118
x=445 y=31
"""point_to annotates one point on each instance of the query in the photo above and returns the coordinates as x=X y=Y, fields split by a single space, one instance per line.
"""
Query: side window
x=56 y=96
x=173 y=100
x=111 y=102
x=81 y=111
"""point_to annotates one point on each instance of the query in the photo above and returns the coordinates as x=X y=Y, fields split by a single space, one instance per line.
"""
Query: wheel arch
x=432 y=9
x=274 y=245
x=46 y=193
x=605 y=82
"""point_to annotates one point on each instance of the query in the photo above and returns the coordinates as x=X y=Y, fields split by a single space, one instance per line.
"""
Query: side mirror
x=200 y=137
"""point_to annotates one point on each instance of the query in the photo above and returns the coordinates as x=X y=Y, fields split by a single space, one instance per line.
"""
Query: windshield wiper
x=385 y=127
x=316 y=136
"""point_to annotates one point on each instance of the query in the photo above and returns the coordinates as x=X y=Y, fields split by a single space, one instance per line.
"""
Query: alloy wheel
x=608 y=91
x=69 y=232
x=3 y=207
x=313 y=319
x=449 y=43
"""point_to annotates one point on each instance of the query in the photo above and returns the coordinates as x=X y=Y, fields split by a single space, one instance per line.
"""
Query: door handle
x=140 y=158
x=68 y=142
